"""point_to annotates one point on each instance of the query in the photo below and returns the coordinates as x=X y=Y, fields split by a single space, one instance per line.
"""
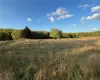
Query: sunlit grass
x=72 y=59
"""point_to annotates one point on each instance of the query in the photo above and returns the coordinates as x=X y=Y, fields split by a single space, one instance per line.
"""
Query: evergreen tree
x=26 y=33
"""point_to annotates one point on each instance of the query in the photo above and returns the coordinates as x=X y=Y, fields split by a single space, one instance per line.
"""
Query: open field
x=66 y=59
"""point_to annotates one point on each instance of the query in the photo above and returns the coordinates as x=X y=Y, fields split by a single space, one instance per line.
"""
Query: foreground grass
x=73 y=59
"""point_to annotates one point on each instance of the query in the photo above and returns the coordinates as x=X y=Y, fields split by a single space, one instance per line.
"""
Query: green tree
x=16 y=34
x=55 y=33
x=26 y=33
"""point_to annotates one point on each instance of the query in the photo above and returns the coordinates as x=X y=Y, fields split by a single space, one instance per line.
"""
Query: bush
x=5 y=36
x=2 y=35
x=8 y=36
x=40 y=34
x=16 y=34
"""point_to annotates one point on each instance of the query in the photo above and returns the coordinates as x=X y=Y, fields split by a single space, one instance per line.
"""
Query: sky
x=66 y=15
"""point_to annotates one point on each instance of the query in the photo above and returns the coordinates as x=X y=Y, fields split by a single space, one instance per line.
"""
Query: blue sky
x=67 y=15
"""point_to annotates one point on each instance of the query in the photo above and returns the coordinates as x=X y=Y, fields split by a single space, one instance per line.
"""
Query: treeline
x=81 y=34
x=11 y=34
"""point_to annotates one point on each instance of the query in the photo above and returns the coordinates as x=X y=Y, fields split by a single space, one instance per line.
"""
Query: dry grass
x=63 y=59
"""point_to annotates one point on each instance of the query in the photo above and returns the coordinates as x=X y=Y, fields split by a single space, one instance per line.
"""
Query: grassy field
x=64 y=59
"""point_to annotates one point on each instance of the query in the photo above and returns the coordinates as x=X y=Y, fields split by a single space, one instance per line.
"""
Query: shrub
x=40 y=34
x=2 y=35
x=5 y=36
x=16 y=34
x=8 y=36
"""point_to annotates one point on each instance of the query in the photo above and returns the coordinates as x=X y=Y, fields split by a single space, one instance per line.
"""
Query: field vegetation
x=12 y=34
x=61 y=59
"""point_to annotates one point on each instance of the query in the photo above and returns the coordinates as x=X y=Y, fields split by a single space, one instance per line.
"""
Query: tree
x=16 y=34
x=46 y=34
x=26 y=33
x=55 y=33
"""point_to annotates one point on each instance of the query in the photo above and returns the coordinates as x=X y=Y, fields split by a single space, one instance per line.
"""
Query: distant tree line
x=11 y=34
x=81 y=34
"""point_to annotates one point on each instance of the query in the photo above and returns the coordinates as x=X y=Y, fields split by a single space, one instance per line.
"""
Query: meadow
x=50 y=59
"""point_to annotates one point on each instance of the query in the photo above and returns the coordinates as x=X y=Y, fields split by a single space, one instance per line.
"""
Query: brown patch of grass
x=62 y=59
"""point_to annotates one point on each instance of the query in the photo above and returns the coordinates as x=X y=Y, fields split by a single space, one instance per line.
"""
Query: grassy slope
x=72 y=59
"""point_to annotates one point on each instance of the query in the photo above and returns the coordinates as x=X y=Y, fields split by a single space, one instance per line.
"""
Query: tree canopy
x=55 y=33
x=11 y=34
x=26 y=33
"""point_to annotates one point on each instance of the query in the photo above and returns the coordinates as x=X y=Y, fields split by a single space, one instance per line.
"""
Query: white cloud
x=94 y=29
x=82 y=20
x=95 y=9
x=51 y=19
x=60 y=13
x=84 y=6
x=29 y=20
x=72 y=25
x=95 y=16
x=64 y=16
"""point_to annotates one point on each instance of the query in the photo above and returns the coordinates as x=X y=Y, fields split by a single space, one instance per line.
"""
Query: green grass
x=75 y=59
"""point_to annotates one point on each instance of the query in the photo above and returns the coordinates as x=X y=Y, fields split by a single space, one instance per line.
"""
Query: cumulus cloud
x=95 y=16
x=51 y=19
x=84 y=6
x=95 y=9
x=29 y=20
x=60 y=13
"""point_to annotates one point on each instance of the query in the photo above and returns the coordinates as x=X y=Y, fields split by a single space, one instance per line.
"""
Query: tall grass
x=50 y=60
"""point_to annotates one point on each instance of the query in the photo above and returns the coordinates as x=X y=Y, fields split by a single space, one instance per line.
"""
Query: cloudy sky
x=67 y=15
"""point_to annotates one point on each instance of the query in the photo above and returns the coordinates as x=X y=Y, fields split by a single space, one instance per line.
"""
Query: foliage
x=5 y=34
x=55 y=33
x=8 y=34
x=40 y=34
x=16 y=34
x=2 y=35
x=81 y=34
x=26 y=33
